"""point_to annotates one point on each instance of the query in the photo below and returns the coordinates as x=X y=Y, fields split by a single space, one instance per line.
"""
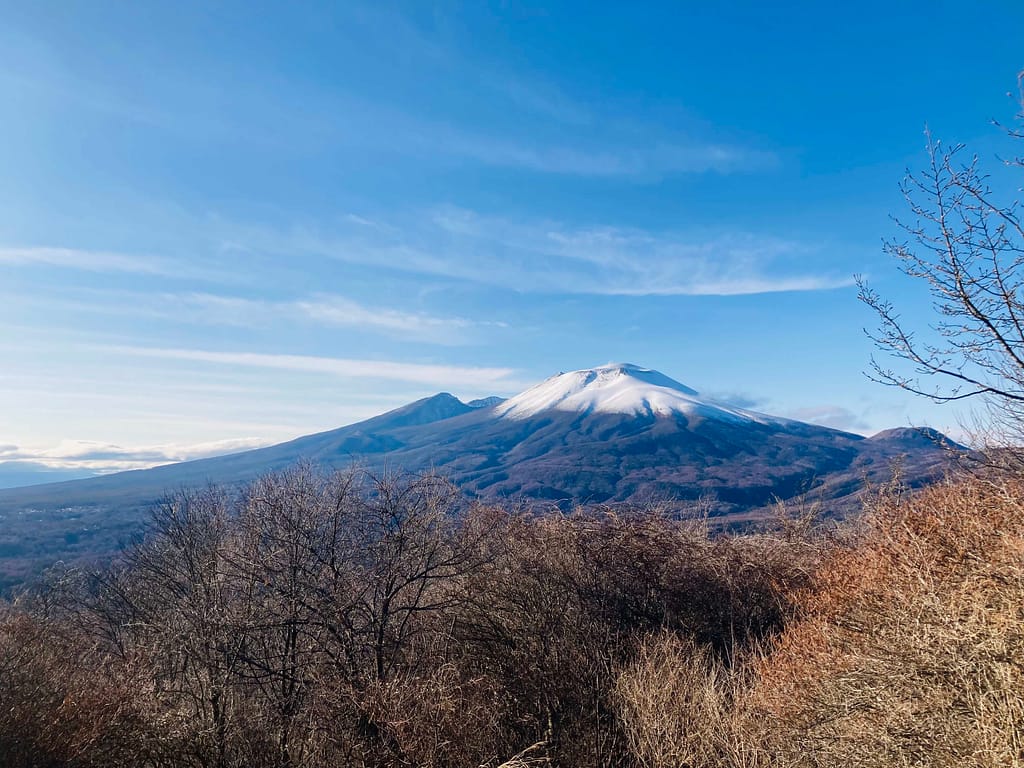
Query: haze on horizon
x=228 y=225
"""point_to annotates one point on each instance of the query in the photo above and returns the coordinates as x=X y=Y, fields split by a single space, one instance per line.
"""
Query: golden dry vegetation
x=329 y=621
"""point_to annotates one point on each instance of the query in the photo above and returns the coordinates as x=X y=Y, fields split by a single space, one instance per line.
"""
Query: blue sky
x=227 y=224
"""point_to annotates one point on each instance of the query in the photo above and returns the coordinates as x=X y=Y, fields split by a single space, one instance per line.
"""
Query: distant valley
x=15 y=474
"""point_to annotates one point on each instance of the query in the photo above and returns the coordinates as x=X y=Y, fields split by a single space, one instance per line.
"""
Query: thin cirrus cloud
x=89 y=261
x=604 y=147
x=415 y=373
x=607 y=141
x=633 y=262
x=335 y=310
x=630 y=152
x=595 y=154
x=111 y=262
x=528 y=256
x=552 y=257
x=662 y=159
x=609 y=157
x=324 y=310
x=834 y=416
x=319 y=309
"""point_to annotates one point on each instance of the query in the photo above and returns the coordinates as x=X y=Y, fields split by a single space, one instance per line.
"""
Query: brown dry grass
x=909 y=651
x=912 y=650
x=676 y=704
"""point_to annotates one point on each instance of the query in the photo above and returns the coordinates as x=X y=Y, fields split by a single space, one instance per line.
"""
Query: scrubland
x=336 y=620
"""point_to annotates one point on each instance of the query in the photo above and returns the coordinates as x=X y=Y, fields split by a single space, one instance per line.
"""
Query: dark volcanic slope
x=611 y=434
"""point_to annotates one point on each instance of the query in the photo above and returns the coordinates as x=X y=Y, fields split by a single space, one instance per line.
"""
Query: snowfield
x=621 y=388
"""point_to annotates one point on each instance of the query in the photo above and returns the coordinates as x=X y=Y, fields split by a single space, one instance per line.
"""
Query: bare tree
x=186 y=611
x=967 y=246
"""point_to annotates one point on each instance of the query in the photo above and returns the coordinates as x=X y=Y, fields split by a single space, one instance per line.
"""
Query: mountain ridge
x=612 y=434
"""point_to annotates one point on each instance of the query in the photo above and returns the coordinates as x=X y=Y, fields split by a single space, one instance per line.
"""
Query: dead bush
x=675 y=702
x=65 y=702
x=912 y=650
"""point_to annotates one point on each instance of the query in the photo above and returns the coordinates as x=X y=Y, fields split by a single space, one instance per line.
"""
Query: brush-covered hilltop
x=614 y=433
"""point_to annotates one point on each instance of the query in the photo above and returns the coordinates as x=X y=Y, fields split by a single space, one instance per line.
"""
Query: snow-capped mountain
x=614 y=433
x=621 y=388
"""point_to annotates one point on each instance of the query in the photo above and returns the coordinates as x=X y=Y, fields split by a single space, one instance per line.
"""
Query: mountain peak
x=648 y=376
x=437 y=407
x=623 y=388
x=486 y=402
x=917 y=435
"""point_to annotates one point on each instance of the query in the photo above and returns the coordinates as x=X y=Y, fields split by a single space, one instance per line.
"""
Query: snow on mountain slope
x=621 y=388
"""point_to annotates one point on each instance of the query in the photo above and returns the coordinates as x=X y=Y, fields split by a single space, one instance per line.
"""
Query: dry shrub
x=62 y=702
x=912 y=650
x=573 y=597
x=441 y=718
x=675 y=703
x=544 y=632
x=531 y=757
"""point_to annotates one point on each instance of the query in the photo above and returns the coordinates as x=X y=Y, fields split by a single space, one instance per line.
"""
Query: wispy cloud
x=418 y=373
x=90 y=261
x=835 y=416
x=654 y=160
x=633 y=262
x=320 y=309
x=335 y=310
x=534 y=256
x=737 y=400
x=513 y=115
x=604 y=144
x=85 y=260
x=327 y=310
x=535 y=97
